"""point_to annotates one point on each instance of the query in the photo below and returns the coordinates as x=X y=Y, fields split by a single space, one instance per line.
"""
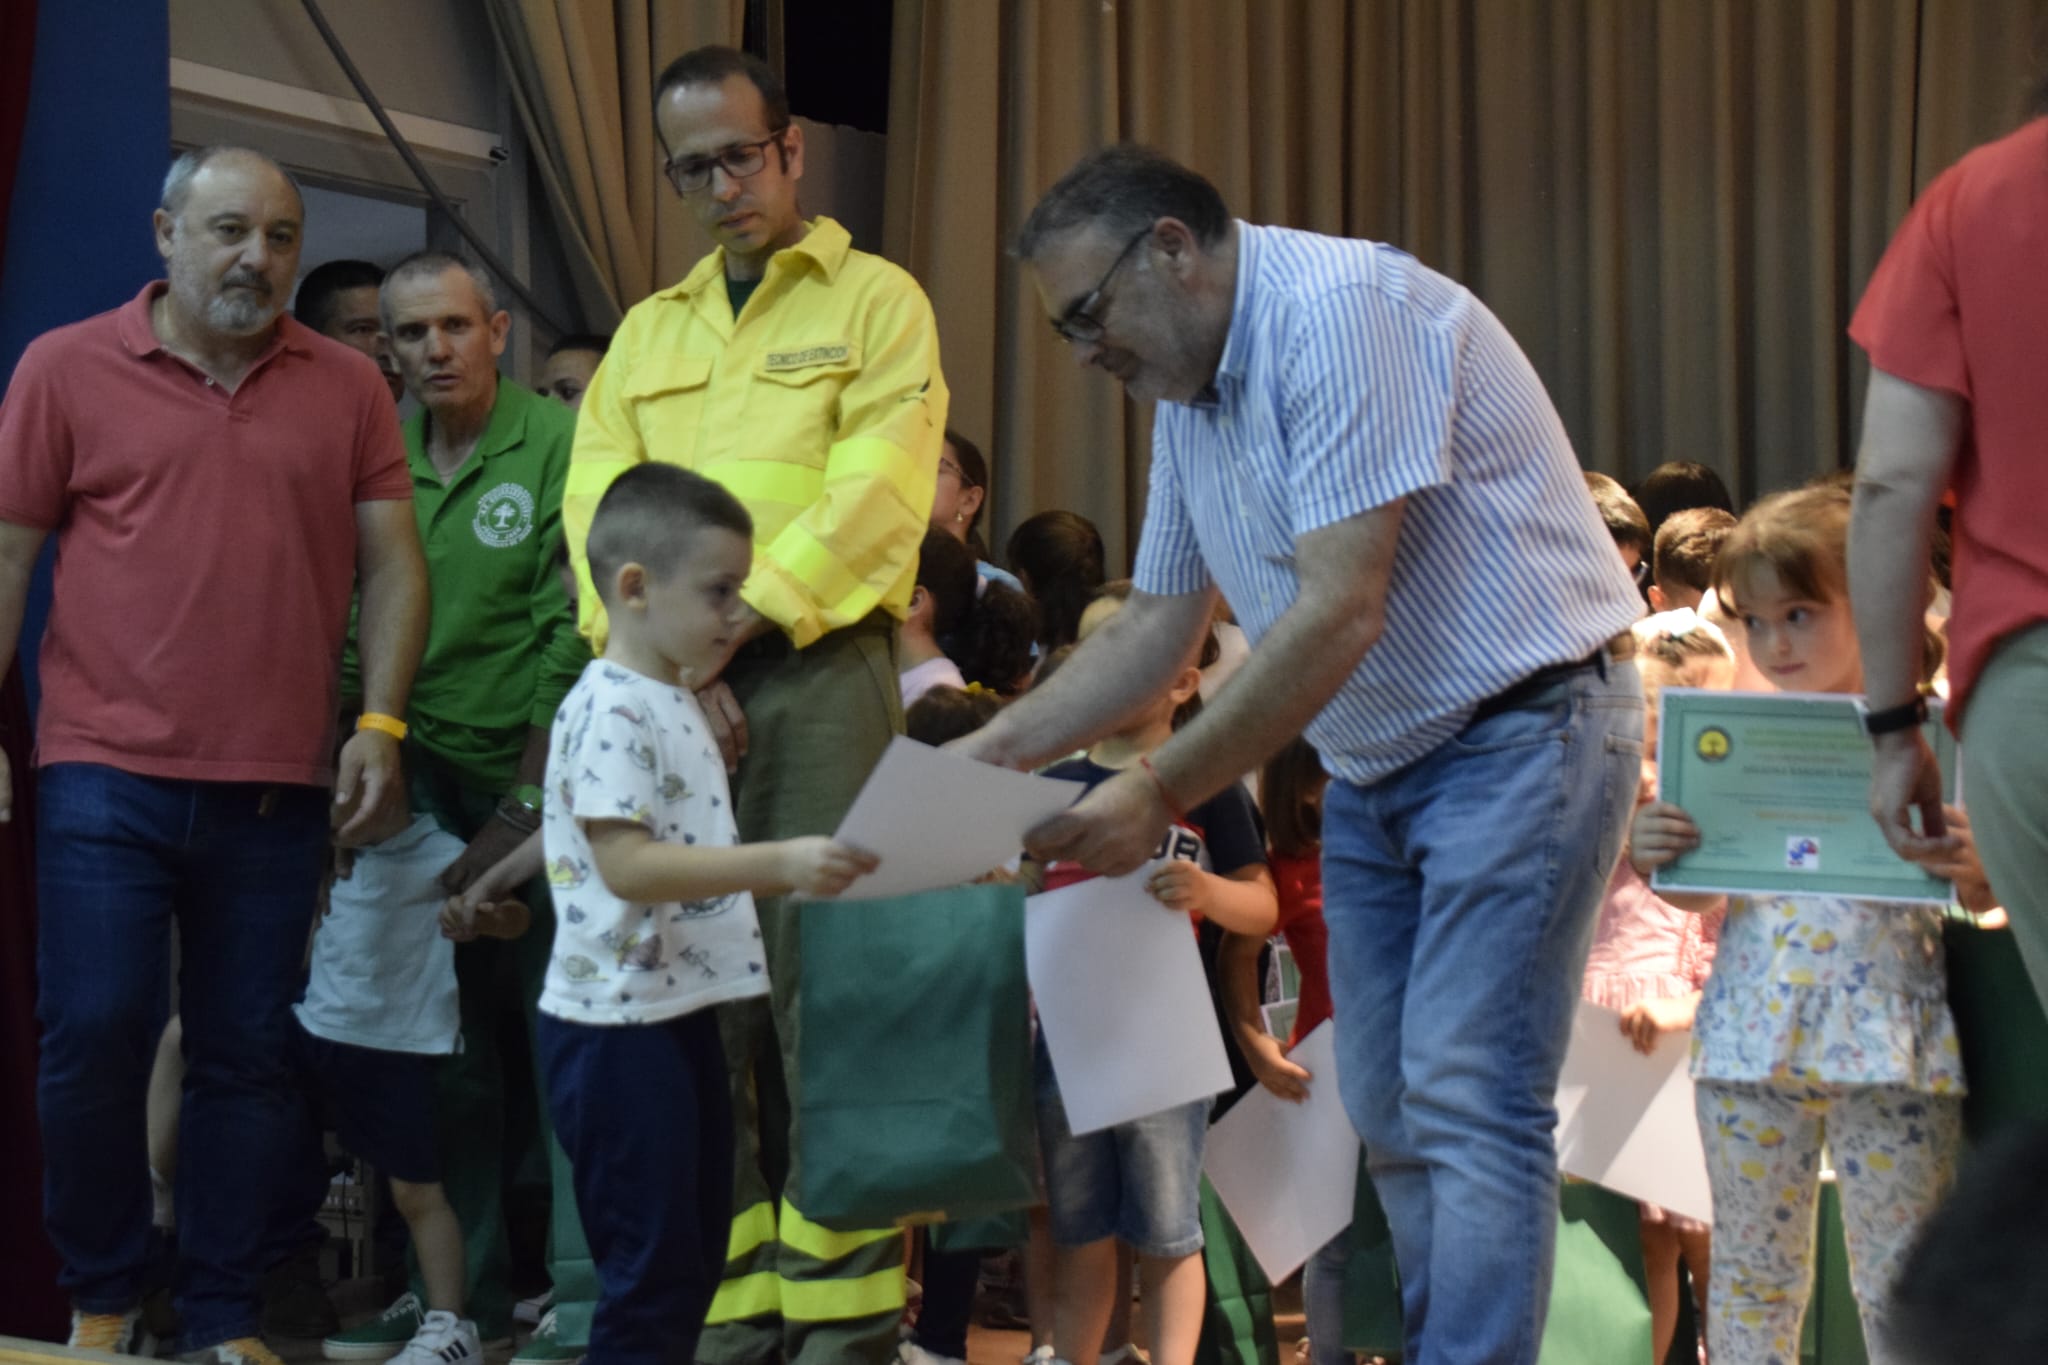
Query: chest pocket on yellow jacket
x=794 y=401
x=670 y=395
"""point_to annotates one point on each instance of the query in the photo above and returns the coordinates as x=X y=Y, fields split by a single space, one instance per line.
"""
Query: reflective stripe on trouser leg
x=842 y=1292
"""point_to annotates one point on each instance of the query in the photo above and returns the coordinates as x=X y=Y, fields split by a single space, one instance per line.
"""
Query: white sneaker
x=1040 y=1355
x=910 y=1353
x=443 y=1339
x=528 y=1312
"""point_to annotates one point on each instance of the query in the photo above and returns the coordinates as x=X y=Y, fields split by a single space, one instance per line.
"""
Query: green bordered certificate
x=1779 y=785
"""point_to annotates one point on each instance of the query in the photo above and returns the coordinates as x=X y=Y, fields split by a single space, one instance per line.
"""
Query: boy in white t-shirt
x=655 y=912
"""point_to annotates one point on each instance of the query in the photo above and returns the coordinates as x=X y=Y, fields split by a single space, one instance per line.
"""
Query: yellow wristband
x=376 y=720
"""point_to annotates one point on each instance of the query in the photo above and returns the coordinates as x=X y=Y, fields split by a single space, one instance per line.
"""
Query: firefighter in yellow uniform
x=804 y=376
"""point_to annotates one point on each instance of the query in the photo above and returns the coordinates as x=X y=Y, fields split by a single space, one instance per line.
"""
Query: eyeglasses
x=946 y=466
x=1082 y=324
x=739 y=162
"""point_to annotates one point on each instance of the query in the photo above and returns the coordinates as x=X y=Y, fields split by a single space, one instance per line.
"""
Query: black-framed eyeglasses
x=1082 y=324
x=746 y=159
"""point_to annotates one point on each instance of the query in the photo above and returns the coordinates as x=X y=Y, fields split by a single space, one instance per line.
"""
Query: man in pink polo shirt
x=1955 y=321
x=216 y=476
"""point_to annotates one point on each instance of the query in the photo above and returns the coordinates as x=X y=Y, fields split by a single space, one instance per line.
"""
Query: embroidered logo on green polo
x=504 y=516
x=806 y=358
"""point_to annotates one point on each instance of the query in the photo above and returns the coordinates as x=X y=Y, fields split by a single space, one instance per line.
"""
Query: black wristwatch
x=1908 y=715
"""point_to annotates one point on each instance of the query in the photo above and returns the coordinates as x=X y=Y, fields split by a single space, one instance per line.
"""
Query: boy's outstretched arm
x=635 y=866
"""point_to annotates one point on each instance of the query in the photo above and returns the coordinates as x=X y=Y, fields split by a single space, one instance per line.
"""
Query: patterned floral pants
x=1894 y=1153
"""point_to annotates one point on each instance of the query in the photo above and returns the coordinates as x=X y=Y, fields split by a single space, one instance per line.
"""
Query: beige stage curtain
x=582 y=76
x=1672 y=204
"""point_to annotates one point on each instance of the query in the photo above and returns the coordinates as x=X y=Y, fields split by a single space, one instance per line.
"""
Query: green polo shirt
x=502 y=650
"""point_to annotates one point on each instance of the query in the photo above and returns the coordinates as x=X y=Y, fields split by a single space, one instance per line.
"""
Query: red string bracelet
x=1172 y=806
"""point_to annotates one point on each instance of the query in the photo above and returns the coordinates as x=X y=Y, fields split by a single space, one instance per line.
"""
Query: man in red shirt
x=1956 y=324
x=216 y=476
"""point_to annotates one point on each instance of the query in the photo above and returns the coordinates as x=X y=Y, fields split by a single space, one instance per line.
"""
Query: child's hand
x=823 y=867
x=458 y=918
x=469 y=916
x=1659 y=833
x=1180 y=885
x=1645 y=1021
x=1269 y=1063
x=1960 y=864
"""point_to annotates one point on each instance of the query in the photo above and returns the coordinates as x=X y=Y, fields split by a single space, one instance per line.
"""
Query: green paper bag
x=989 y=1233
x=1599 y=1311
x=2001 y=1028
x=915 y=1050
x=1237 y=1322
x=1372 y=1286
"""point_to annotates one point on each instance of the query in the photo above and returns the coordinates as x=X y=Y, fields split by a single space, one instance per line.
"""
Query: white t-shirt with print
x=628 y=747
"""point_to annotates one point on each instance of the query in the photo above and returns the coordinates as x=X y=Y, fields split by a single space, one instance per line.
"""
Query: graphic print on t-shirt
x=631 y=748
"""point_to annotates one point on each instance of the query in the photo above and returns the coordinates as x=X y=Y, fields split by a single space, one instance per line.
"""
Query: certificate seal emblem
x=1713 y=745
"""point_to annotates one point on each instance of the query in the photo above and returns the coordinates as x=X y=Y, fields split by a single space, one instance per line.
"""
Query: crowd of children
x=1818 y=1022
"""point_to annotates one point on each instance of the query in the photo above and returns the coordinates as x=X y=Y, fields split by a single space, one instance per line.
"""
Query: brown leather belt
x=1538 y=687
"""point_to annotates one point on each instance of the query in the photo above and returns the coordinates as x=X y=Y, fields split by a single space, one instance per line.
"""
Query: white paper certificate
x=1122 y=1001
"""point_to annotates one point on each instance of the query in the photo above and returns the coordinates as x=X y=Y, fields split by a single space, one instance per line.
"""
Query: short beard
x=239 y=314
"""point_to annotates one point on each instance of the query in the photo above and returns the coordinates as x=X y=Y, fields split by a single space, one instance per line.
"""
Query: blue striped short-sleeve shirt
x=1353 y=376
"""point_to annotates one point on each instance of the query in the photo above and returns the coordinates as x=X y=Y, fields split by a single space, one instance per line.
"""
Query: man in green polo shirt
x=488 y=458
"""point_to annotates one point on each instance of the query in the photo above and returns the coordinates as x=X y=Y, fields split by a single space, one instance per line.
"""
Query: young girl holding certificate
x=1826 y=1017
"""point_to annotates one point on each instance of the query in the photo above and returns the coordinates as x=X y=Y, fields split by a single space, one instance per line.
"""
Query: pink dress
x=1646 y=948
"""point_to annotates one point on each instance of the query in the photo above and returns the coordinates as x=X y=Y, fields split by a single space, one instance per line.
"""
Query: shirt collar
x=505 y=430
x=1237 y=347
x=137 y=334
x=826 y=245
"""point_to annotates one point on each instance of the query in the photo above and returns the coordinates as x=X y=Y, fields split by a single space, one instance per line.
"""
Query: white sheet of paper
x=937 y=819
x=1626 y=1121
x=1287 y=1172
x=1122 y=1001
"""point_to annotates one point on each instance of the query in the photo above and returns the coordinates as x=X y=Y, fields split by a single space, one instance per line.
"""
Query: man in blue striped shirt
x=1354 y=452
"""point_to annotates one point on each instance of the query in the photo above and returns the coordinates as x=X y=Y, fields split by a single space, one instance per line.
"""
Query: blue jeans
x=1461 y=894
x=119 y=857
x=1322 y=1295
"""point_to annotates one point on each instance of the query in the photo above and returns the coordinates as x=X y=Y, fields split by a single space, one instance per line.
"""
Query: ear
x=1186 y=685
x=793 y=142
x=1176 y=241
x=1658 y=601
x=629 y=584
x=920 y=602
x=970 y=501
x=166 y=228
x=501 y=327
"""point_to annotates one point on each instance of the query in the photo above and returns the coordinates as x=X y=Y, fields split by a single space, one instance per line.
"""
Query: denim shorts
x=1140 y=1182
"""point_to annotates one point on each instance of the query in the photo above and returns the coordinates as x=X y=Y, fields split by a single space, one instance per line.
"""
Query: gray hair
x=434 y=263
x=1122 y=189
x=178 y=179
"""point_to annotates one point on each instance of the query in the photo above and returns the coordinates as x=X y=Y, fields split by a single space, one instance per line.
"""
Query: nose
x=725 y=186
x=256 y=253
x=1086 y=353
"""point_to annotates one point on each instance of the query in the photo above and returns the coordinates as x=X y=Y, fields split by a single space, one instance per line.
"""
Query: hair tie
x=975 y=689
